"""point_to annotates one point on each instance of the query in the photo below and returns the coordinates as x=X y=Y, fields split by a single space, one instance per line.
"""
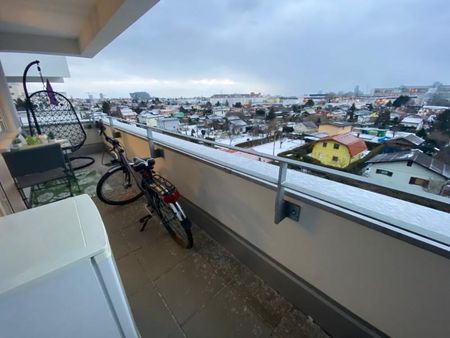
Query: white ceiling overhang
x=66 y=27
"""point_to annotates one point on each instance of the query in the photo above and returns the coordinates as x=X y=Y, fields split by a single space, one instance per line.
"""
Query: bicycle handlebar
x=108 y=139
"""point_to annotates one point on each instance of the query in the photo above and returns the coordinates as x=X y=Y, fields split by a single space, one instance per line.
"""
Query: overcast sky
x=288 y=47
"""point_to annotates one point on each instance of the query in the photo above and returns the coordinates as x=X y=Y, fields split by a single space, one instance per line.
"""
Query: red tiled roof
x=355 y=145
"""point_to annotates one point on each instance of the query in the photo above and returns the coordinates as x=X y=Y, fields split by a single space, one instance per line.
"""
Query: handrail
x=411 y=232
x=439 y=199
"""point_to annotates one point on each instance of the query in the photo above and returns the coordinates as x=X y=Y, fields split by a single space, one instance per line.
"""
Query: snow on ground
x=237 y=139
x=409 y=216
x=280 y=146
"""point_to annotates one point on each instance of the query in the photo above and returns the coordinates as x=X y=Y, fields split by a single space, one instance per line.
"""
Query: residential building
x=403 y=143
x=306 y=127
x=413 y=121
x=335 y=128
x=412 y=171
x=168 y=123
x=149 y=118
x=339 y=150
x=237 y=126
x=126 y=113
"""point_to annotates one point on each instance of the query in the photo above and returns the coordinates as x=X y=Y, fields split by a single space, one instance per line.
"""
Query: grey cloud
x=285 y=46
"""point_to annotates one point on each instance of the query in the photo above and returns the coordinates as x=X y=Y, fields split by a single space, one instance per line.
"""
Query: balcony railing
x=371 y=258
x=352 y=202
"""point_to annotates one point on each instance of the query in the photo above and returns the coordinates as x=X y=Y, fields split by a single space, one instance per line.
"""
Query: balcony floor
x=203 y=292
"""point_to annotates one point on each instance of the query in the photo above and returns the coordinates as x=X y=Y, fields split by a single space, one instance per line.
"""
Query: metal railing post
x=111 y=125
x=284 y=208
x=151 y=145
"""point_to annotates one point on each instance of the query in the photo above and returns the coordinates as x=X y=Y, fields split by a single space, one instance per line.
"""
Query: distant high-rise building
x=140 y=96
x=357 y=91
x=102 y=96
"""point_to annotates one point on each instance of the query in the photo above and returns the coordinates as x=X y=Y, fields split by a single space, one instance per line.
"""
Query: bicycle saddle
x=140 y=164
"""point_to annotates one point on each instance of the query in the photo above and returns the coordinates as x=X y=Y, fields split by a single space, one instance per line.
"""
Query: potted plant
x=51 y=137
x=16 y=144
x=33 y=140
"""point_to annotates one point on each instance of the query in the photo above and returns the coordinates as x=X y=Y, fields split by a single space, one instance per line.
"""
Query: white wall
x=402 y=174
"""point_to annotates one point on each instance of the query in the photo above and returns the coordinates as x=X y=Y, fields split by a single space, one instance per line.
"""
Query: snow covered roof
x=354 y=144
x=309 y=124
x=238 y=123
x=412 y=119
x=415 y=156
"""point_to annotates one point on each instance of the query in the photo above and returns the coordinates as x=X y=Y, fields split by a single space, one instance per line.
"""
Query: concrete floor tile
x=296 y=325
x=264 y=300
x=119 y=245
x=223 y=262
x=132 y=274
x=137 y=239
x=226 y=315
x=118 y=217
x=188 y=286
x=152 y=317
x=161 y=256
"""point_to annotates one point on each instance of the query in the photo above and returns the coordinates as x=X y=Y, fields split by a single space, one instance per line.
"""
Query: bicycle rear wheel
x=118 y=187
x=180 y=231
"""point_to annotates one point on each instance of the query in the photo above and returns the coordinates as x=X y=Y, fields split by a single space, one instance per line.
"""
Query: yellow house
x=335 y=128
x=338 y=150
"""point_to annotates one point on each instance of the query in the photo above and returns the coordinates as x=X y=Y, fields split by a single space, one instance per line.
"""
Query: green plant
x=51 y=136
x=16 y=141
x=32 y=140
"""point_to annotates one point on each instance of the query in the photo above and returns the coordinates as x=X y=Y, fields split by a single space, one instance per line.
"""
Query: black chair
x=34 y=166
x=57 y=116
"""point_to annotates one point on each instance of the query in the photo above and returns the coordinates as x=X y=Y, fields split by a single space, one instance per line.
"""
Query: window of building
x=384 y=172
x=335 y=158
x=336 y=146
x=419 y=181
x=324 y=144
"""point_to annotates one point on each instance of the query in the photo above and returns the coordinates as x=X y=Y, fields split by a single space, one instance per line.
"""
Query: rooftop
x=354 y=144
x=415 y=156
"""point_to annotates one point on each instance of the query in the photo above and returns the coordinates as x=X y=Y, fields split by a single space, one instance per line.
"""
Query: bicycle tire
x=112 y=181
x=180 y=231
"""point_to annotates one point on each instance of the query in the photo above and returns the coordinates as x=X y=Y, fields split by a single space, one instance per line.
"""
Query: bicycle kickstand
x=144 y=220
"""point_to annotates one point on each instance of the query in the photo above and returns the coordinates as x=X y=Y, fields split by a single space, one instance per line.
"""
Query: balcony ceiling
x=66 y=27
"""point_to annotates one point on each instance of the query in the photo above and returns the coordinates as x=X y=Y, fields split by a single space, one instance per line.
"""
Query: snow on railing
x=420 y=220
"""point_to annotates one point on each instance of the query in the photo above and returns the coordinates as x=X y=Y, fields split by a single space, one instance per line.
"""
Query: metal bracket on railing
x=284 y=208
x=154 y=153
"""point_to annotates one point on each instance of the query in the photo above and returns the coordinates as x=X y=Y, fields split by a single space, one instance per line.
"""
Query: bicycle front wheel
x=118 y=187
x=180 y=231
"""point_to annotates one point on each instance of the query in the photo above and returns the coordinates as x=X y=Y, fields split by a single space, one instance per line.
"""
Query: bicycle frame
x=146 y=181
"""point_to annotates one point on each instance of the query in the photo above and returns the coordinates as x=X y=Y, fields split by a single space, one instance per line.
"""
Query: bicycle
x=126 y=182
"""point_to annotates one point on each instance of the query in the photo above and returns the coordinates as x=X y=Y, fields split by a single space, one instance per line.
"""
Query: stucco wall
x=402 y=174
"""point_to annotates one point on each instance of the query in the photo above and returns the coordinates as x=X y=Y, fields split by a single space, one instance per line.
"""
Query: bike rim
x=120 y=187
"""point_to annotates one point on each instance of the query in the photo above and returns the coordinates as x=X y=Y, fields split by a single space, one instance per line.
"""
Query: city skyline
x=287 y=47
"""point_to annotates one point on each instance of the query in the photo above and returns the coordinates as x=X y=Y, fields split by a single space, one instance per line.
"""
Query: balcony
x=340 y=269
x=355 y=271
x=360 y=264
x=204 y=292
